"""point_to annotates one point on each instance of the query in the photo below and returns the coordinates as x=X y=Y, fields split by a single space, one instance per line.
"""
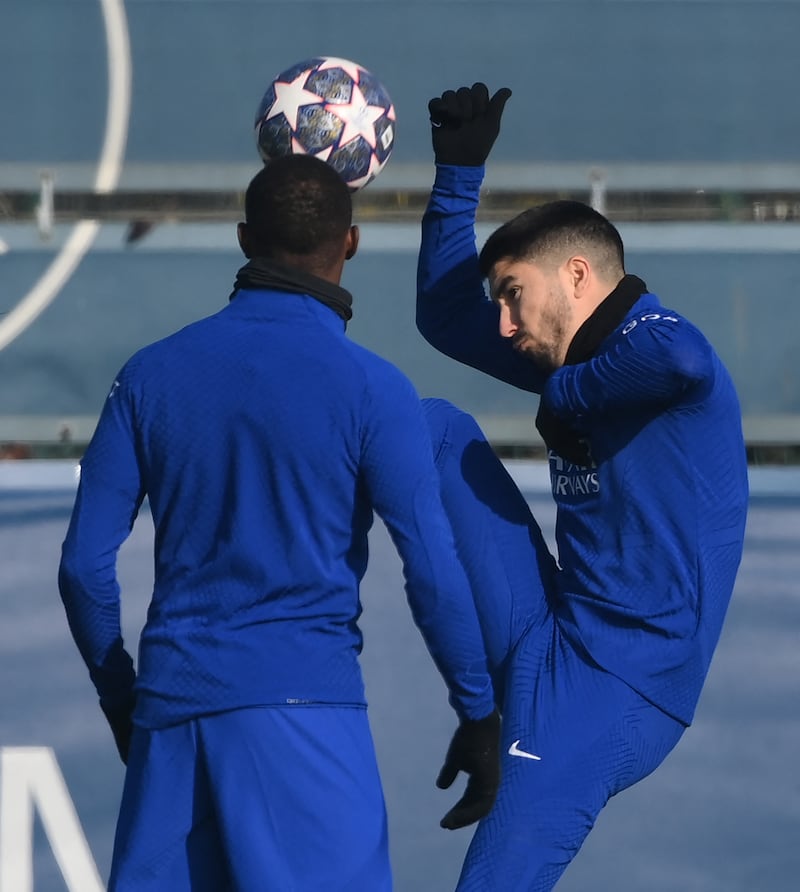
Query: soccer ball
x=330 y=108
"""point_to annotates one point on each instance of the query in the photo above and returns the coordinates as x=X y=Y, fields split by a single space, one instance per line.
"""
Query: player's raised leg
x=499 y=542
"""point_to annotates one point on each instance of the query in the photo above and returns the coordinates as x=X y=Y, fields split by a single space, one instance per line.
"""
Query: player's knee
x=447 y=422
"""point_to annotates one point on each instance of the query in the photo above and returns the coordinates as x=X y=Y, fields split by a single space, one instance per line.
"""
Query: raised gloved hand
x=474 y=750
x=465 y=124
x=120 y=718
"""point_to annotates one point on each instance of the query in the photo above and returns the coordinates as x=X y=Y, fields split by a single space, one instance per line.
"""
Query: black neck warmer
x=262 y=273
x=557 y=434
x=604 y=320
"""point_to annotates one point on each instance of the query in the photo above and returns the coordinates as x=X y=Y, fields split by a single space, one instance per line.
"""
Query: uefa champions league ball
x=330 y=108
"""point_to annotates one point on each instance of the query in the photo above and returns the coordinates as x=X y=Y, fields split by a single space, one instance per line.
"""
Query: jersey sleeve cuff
x=459 y=182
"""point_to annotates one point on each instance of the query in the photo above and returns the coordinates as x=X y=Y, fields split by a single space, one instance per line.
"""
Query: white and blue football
x=333 y=109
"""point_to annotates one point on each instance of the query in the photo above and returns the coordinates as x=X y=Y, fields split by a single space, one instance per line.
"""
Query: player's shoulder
x=665 y=338
x=377 y=368
x=172 y=347
x=648 y=314
x=649 y=322
x=382 y=386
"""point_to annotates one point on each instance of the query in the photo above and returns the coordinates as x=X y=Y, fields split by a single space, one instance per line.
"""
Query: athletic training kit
x=598 y=660
x=262 y=494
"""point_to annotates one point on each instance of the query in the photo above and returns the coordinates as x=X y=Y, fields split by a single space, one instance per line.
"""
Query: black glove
x=465 y=124
x=474 y=749
x=120 y=718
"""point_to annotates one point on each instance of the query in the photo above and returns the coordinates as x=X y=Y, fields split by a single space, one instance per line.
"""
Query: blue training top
x=263 y=438
x=650 y=535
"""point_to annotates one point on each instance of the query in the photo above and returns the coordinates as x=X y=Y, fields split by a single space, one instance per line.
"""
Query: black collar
x=604 y=320
x=262 y=273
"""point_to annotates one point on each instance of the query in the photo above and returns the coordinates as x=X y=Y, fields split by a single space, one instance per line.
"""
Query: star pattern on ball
x=291 y=97
x=358 y=117
x=346 y=65
x=375 y=167
x=332 y=109
x=299 y=149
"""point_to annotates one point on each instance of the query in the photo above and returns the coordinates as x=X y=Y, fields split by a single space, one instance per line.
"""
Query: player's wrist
x=458 y=181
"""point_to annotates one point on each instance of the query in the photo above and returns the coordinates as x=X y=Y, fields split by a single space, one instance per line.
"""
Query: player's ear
x=578 y=270
x=243 y=235
x=351 y=244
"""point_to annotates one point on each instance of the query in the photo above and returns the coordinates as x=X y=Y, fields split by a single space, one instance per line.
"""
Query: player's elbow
x=426 y=325
x=695 y=366
x=69 y=575
x=684 y=355
x=74 y=571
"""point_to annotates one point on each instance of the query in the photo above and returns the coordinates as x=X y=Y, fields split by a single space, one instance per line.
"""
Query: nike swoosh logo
x=514 y=750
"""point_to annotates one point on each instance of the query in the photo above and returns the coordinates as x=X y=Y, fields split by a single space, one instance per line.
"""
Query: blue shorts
x=279 y=799
x=573 y=735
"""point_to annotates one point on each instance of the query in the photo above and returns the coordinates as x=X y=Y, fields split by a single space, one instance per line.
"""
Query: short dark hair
x=298 y=206
x=554 y=231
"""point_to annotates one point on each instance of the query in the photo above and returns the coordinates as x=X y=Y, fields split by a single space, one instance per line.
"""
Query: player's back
x=249 y=426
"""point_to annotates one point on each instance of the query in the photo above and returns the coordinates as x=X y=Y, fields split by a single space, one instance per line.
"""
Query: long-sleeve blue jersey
x=650 y=535
x=263 y=439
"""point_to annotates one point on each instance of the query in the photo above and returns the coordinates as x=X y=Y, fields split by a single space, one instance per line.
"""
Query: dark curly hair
x=298 y=208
